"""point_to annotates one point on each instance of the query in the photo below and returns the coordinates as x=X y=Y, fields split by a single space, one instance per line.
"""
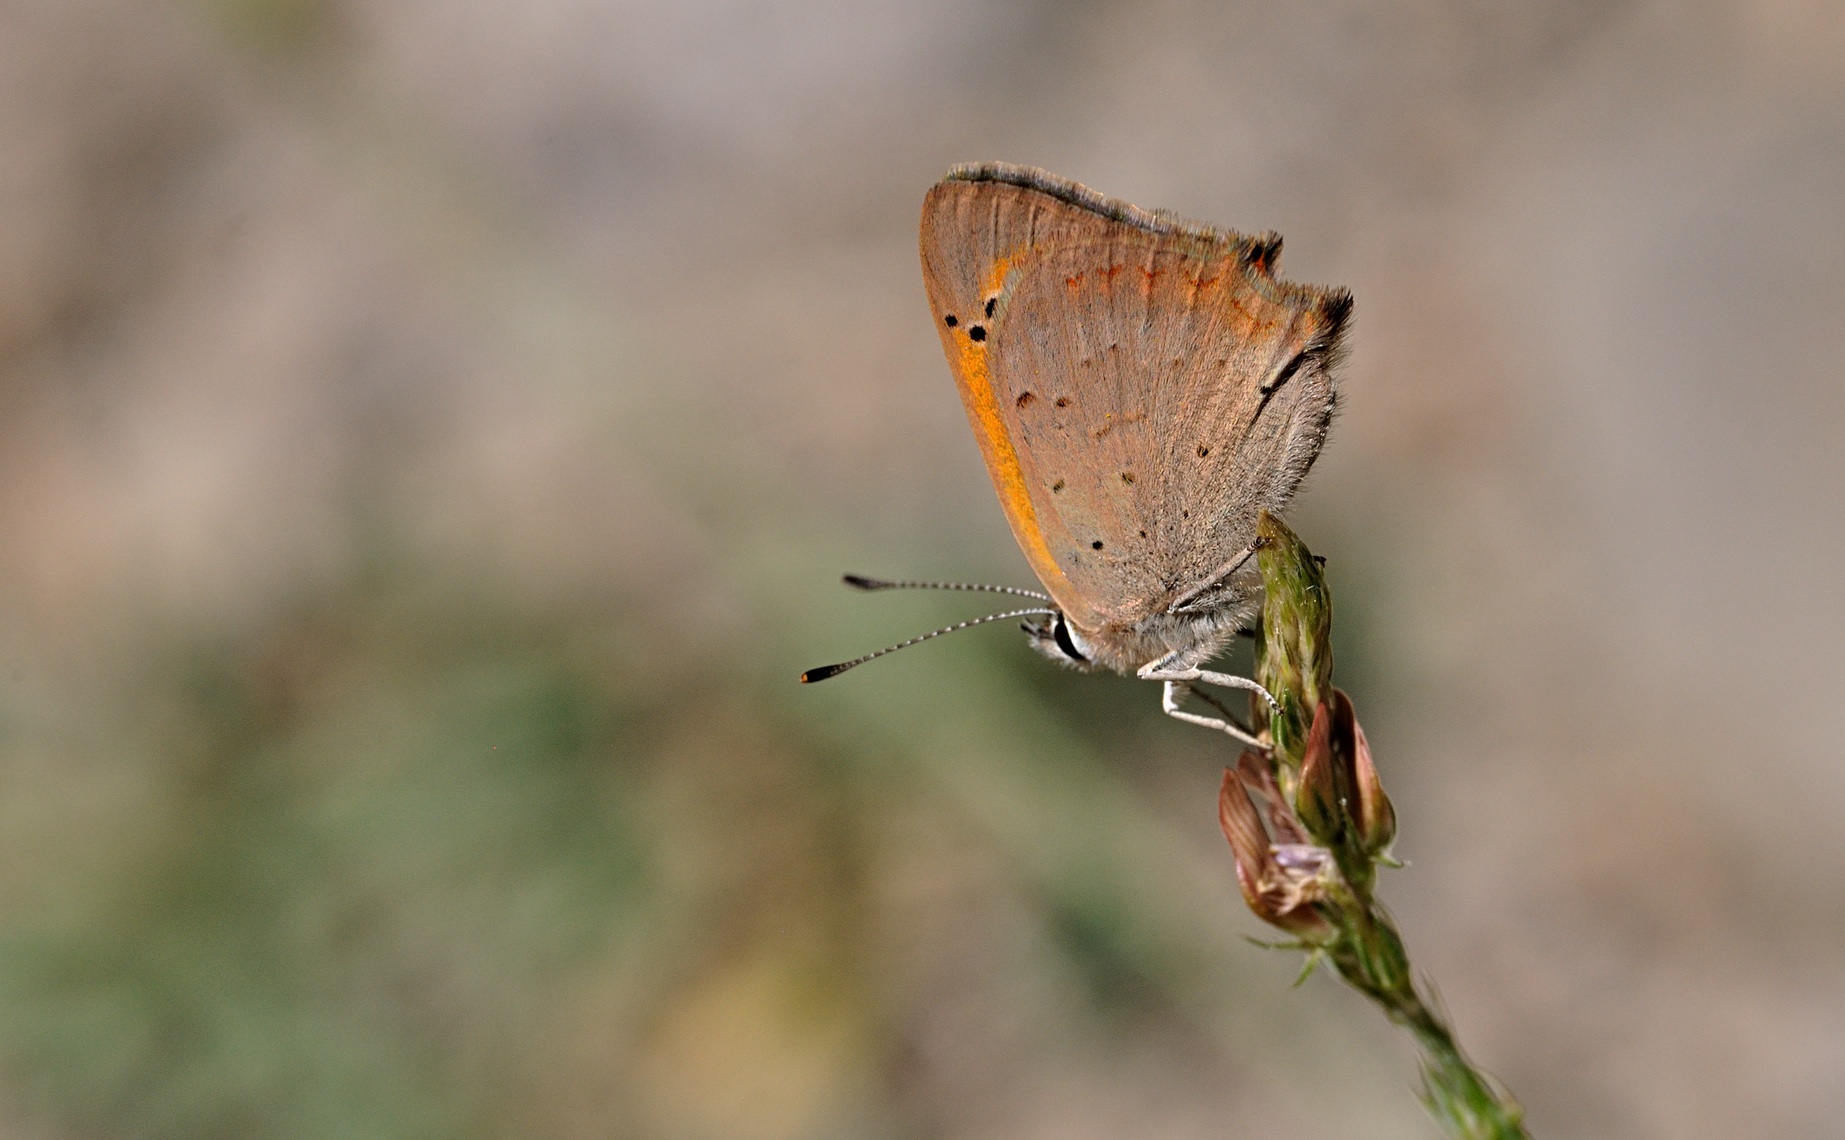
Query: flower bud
x=1296 y=660
x=1281 y=883
x=1322 y=792
x=1375 y=818
x=1339 y=798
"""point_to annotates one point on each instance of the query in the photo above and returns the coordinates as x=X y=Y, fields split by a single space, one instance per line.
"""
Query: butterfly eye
x=1060 y=632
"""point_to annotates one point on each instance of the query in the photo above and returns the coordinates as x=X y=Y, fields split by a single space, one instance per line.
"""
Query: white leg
x=1178 y=678
x=1175 y=692
x=1174 y=667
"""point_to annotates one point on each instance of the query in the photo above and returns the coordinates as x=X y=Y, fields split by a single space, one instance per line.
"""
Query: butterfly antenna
x=825 y=671
x=858 y=582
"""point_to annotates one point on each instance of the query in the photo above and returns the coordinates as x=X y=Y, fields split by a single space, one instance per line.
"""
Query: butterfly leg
x=1176 y=692
x=1178 y=679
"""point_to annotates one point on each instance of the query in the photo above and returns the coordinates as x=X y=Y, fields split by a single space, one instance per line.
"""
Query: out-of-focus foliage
x=430 y=434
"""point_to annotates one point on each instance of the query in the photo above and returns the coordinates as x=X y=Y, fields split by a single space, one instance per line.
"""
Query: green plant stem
x=1369 y=955
x=1321 y=774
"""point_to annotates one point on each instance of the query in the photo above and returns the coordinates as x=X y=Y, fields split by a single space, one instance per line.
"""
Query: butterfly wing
x=1140 y=386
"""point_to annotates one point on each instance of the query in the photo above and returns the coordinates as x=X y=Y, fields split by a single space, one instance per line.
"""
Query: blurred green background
x=431 y=432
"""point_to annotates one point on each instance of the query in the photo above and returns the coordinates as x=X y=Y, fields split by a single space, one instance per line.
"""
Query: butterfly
x=1141 y=387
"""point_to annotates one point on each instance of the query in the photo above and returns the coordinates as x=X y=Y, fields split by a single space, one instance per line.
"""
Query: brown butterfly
x=1141 y=387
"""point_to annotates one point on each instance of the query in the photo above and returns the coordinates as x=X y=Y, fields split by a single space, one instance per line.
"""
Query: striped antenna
x=858 y=582
x=825 y=671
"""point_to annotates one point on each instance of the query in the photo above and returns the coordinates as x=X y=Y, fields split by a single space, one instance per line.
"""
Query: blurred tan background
x=430 y=434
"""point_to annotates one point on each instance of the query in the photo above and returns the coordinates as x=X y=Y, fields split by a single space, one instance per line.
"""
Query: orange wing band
x=1008 y=476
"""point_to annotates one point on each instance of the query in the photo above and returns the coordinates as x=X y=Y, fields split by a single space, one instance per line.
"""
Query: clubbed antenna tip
x=860 y=582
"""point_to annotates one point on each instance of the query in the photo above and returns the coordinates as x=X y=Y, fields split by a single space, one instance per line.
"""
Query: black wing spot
x=1096 y=545
x=991 y=303
x=976 y=333
x=1128 y=478
x=1057 y=486
x=1024 y=400
x=1143 y=534
x=1287 y=373
x=1062 y=401
x=1203 y=451
x=949 y=320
